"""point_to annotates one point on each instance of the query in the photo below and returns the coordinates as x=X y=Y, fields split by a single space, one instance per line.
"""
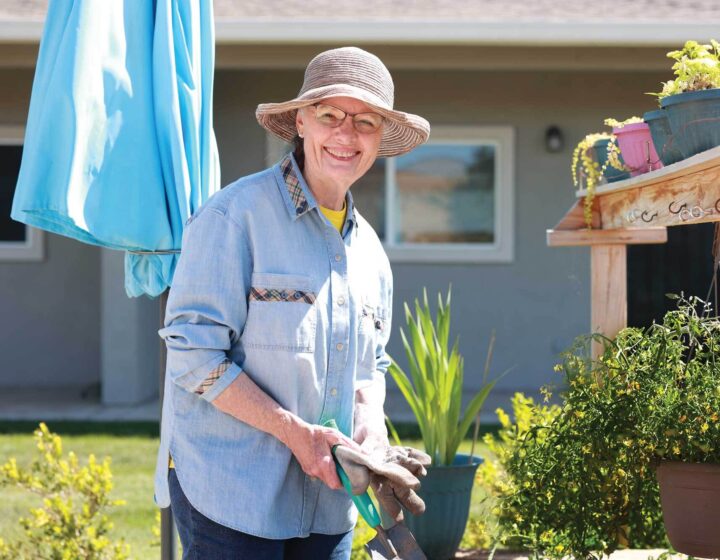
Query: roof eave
x=429 y=32
x=464 y=32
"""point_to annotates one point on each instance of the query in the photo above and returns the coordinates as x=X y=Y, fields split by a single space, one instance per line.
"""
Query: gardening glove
x=393 y=475
x=412 y=459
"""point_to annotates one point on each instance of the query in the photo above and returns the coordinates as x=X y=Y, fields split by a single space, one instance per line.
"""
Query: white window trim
x=33 y=248
x=502 y=249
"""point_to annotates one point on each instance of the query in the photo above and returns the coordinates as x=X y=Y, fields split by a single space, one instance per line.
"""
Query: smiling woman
x=277 y=323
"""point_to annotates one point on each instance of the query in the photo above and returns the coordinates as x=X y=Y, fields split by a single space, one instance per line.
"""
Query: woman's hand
x=312 y=447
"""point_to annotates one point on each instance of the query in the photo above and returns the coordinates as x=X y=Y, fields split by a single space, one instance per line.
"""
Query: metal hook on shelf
x=648 y=220
x=717 y=206
x=682 y=207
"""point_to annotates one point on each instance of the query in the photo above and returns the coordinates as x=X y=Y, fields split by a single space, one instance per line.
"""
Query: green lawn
x=132 y=448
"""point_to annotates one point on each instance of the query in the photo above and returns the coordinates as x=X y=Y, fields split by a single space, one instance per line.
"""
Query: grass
x=132 y=447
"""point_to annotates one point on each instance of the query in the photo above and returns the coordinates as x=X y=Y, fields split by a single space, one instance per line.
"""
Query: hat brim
x=401 y=131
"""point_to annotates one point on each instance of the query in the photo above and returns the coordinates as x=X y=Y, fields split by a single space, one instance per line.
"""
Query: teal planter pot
x=694 y=119
x=662 y=136
x=611 y=174
x=446 y=492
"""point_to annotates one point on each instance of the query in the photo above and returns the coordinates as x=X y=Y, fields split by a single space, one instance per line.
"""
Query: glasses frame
x=345 y=116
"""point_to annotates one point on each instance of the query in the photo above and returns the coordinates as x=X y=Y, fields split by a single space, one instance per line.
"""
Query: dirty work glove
x=412 y=459
x=393 y=475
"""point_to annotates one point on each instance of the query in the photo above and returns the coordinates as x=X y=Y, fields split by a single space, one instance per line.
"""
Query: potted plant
x=591 y=166
x=583 y=481
x=636 y=144
x=692 y=98
x=662 y=136
x=434 y=390
x=678 y=421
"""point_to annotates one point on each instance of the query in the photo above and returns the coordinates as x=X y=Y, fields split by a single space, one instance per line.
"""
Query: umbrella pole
x=168 y=541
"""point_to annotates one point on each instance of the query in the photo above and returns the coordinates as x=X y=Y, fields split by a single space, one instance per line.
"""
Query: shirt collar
x=299 y=199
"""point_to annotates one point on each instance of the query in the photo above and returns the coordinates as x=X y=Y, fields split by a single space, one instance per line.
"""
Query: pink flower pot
x=636 y=147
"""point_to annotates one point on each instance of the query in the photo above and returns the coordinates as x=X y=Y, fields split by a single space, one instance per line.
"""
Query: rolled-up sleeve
x=207 y=304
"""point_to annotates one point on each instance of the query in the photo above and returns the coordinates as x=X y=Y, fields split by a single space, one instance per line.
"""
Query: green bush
x=568 y=481
x=71 y=523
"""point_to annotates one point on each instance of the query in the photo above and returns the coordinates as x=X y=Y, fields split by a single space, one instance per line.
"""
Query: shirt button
x=333 y=392
x=341 y=300
x=339 y=346
x=338 y=258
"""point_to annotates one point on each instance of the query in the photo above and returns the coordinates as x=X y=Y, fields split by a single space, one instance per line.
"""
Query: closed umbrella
x=119 y=146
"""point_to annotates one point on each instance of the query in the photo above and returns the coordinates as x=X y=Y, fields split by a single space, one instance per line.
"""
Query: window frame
x=502 y=249
x=33 y=248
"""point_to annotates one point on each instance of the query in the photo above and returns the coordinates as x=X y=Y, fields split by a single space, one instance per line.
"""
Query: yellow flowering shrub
x=70 y=523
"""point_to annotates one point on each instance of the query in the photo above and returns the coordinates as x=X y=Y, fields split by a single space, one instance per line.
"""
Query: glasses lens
x=329 y=116
x=367 y=122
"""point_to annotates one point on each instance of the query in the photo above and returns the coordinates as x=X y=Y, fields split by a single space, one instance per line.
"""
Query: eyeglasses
x=365 y=123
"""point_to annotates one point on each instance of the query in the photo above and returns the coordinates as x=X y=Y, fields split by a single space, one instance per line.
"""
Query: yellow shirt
x=336 y=217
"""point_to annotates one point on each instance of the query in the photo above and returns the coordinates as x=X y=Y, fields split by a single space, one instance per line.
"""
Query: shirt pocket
x=371 y=322
x=282 y=314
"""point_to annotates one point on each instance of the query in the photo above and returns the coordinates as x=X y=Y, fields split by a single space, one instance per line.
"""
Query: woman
x=277 y=322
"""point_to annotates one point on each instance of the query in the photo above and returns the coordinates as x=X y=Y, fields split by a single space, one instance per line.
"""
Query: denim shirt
x=267 y=287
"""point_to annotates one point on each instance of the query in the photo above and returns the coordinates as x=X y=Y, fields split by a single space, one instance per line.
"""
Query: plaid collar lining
x=297 y=195
x=296 y=192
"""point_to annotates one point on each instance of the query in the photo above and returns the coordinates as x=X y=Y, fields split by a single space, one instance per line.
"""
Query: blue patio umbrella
x=119 y=146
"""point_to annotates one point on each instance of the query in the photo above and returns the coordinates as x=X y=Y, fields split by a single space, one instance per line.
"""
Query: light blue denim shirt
x=267 y=287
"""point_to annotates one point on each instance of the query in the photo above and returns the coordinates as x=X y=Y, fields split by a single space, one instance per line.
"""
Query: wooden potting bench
x=632 y=212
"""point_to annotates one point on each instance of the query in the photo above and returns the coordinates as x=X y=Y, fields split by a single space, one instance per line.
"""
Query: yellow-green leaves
x=696 y=67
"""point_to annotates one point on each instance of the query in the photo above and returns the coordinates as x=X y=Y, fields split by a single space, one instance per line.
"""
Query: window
x=450 y=200
x=18 y=242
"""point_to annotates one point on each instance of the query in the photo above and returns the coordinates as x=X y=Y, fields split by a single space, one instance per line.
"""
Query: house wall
x=538 y=303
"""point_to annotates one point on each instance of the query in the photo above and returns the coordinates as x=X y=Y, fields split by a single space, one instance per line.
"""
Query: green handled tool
x=381 y=547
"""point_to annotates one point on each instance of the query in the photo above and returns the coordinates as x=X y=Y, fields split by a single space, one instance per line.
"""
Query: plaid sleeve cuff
x=218 y=379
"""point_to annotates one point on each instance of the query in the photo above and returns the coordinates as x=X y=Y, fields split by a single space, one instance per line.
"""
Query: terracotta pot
x=690 y=496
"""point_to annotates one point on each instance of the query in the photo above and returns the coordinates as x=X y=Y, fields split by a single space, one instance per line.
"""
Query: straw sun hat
x=349 y=72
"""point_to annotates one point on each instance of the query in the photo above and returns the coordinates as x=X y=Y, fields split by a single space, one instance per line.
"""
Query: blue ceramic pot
x=662 y=136
x=611 y=174
x=694 y=120
x=446 y=491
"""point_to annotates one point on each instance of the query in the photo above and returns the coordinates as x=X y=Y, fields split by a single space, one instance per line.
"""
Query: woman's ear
x=299 y=124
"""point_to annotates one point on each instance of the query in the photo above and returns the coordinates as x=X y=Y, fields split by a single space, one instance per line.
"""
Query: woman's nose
x=347 y=128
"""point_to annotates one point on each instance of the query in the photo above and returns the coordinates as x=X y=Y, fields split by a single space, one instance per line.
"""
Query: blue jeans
x=203 y=539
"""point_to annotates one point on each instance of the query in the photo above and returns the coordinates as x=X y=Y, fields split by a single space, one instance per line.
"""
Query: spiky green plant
x=435 y=385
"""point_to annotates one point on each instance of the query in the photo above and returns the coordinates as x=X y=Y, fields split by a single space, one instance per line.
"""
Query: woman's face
x=337 y=156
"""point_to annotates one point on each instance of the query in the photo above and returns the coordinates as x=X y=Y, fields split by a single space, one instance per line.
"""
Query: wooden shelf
x=628 y=236
x=636 y=211
x=687 y=192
